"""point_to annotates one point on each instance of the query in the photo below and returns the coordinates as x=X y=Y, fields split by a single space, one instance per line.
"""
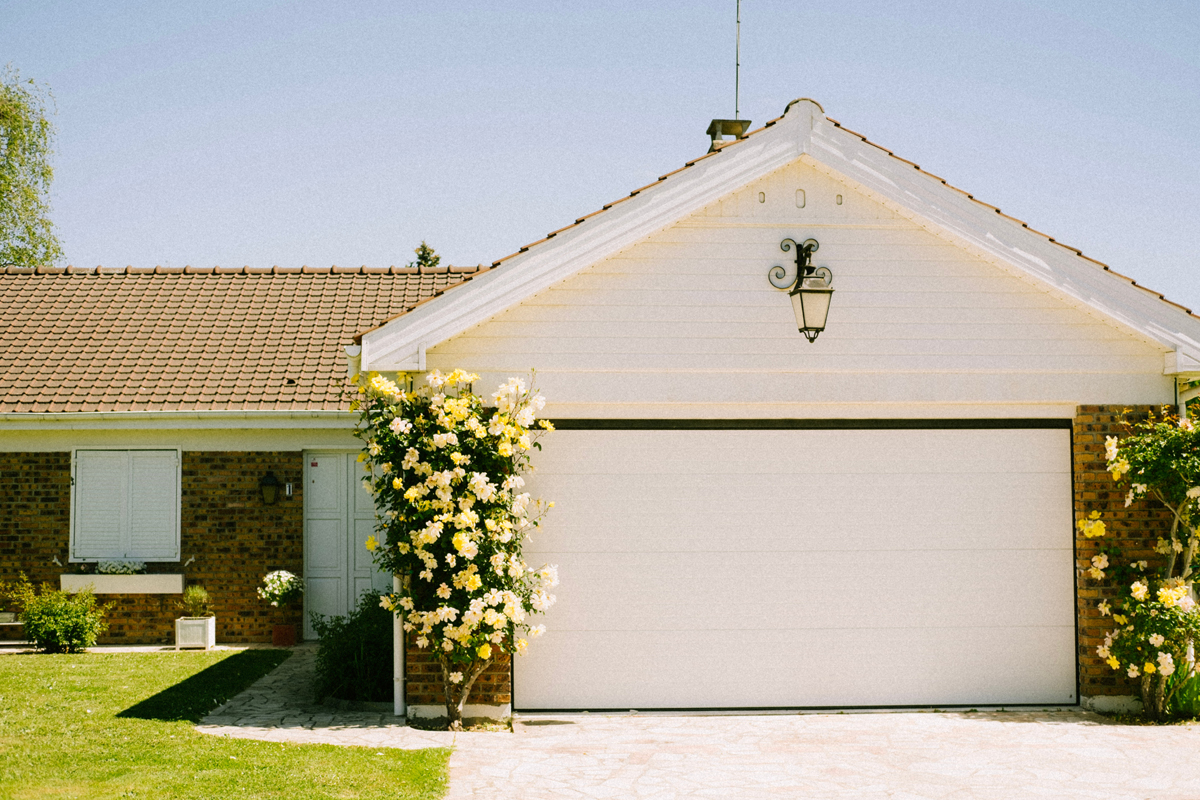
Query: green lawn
x=120 y=726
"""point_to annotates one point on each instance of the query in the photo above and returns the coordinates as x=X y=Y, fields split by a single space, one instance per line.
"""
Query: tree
x=426 y=258
x=445 y=472
x=26 y=142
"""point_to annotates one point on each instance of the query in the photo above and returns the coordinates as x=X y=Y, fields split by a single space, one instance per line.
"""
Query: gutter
x=76 y=420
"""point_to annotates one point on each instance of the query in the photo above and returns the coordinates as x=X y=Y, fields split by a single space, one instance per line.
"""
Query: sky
x=237 y=133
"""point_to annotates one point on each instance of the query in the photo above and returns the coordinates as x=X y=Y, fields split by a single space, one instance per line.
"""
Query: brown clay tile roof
x=193 y=338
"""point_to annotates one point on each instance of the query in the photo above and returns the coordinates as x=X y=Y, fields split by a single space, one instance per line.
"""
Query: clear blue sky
x=344 y=133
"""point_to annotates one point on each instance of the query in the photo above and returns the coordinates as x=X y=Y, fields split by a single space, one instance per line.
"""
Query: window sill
x=124 y=584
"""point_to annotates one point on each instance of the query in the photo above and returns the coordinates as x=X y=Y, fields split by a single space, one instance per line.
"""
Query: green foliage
x=63 y=622
x=281 y=588
x=1185 y=701
x=26 y=142
x=445 y=472
x=426 y=258
x=109 y=726
x=195 y=602
x=354 y=661
x=14 y=592
x=1157 y=617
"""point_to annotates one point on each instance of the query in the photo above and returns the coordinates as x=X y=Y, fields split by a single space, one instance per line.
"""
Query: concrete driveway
x=1001 y=755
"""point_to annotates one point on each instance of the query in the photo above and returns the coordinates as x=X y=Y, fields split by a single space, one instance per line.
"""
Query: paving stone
x=1054 y=754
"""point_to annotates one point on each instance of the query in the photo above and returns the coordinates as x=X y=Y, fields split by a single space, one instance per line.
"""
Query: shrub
x=354 y=661
x=445 y=471
x=281 y=587
x=14 y=592
x=195 y=602
x=63 y=622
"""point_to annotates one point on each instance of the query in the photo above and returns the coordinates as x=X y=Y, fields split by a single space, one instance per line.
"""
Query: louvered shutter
x=126 y=505
x=153 y=506
x=101 y=503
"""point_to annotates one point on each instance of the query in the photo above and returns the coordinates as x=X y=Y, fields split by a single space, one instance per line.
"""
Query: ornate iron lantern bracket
x=810 y=287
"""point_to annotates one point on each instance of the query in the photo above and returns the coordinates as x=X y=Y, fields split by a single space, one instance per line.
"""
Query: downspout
x=353 y=359
x=398 y=703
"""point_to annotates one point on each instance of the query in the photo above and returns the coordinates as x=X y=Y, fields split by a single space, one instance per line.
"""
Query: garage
x=721 y=567
x=873 y=507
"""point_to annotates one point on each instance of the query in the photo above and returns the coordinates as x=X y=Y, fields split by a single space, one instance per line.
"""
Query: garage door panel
x=937 y=564
x=813 y=669
x=899 y=452
x=766 y=591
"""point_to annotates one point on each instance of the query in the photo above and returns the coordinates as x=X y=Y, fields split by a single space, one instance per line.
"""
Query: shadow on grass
x=194 y=697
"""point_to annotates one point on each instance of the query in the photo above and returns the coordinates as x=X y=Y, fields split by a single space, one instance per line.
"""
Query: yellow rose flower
x=1112 y=662
x=1149 y=668
x=397 y=483
x=372 y=543
x=485 y=651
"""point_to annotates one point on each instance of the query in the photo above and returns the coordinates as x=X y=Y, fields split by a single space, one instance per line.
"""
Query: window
x=125 y=505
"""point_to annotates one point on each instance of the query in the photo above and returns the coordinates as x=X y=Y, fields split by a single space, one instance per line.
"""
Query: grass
x=121 y=726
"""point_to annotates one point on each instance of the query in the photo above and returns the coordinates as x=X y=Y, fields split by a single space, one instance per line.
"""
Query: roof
x=807 y=134
x=158 y=339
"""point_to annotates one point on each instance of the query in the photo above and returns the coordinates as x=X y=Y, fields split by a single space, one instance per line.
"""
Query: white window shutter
x=101 y=503
x=153 y=506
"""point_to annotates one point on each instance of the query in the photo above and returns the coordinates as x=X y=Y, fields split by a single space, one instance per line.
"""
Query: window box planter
x=124 y=584
x=196 y=632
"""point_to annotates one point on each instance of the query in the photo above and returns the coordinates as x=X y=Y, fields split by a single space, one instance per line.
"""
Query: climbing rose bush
x=445 y=471
x=1158 y=622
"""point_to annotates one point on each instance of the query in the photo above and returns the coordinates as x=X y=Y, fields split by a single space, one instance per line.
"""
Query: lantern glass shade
x=810 y=302
x=269 y=487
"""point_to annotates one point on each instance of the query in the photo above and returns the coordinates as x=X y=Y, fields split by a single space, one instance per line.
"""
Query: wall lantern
x=269 y=487
x=810 y=289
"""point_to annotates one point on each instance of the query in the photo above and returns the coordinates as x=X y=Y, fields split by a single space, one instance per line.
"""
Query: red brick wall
x=423 y=680
x=1133 y=529
x=235 y=539
x=35 y=514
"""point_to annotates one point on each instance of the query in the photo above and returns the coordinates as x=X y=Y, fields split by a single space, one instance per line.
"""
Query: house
x=882 y=516
x=745 y=519
x=142 y=410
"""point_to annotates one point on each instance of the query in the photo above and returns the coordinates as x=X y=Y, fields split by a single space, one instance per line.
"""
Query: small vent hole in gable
x=762 y=197
x=839 y=199
x=799 y=198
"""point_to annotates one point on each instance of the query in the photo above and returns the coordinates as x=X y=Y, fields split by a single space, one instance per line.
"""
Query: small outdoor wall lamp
x=269 y=486
x=810 y=291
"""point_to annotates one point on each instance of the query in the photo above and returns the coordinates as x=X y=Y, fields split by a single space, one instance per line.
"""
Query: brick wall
x=1133 y=529
x=234 y=537
x=423 y=680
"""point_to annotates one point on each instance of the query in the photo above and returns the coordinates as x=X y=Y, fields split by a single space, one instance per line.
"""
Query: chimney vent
x=720 y=128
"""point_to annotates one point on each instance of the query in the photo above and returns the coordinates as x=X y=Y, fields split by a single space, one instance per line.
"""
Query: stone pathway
x=279 y=707
x=993 y=755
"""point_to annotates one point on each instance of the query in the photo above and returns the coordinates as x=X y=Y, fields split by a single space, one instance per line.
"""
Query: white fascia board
x=396 y=345
x=167 y=420
x=926 y=201
x=1181 y=364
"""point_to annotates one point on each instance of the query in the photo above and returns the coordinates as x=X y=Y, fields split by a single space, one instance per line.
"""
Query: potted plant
x=198 y=625
x=281 y=588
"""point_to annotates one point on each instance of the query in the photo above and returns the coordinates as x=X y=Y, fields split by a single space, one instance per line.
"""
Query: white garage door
x=804 y=568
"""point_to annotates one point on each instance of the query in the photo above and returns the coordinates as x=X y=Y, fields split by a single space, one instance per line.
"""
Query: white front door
x=339 y=515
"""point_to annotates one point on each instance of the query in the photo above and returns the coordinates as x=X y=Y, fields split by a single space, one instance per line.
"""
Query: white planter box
x=124 y=584
x=196 y=632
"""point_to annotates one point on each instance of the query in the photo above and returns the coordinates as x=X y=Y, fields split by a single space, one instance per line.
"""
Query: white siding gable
x=685 y=324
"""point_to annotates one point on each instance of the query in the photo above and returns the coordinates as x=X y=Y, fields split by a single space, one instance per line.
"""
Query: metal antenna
x=737 y=65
